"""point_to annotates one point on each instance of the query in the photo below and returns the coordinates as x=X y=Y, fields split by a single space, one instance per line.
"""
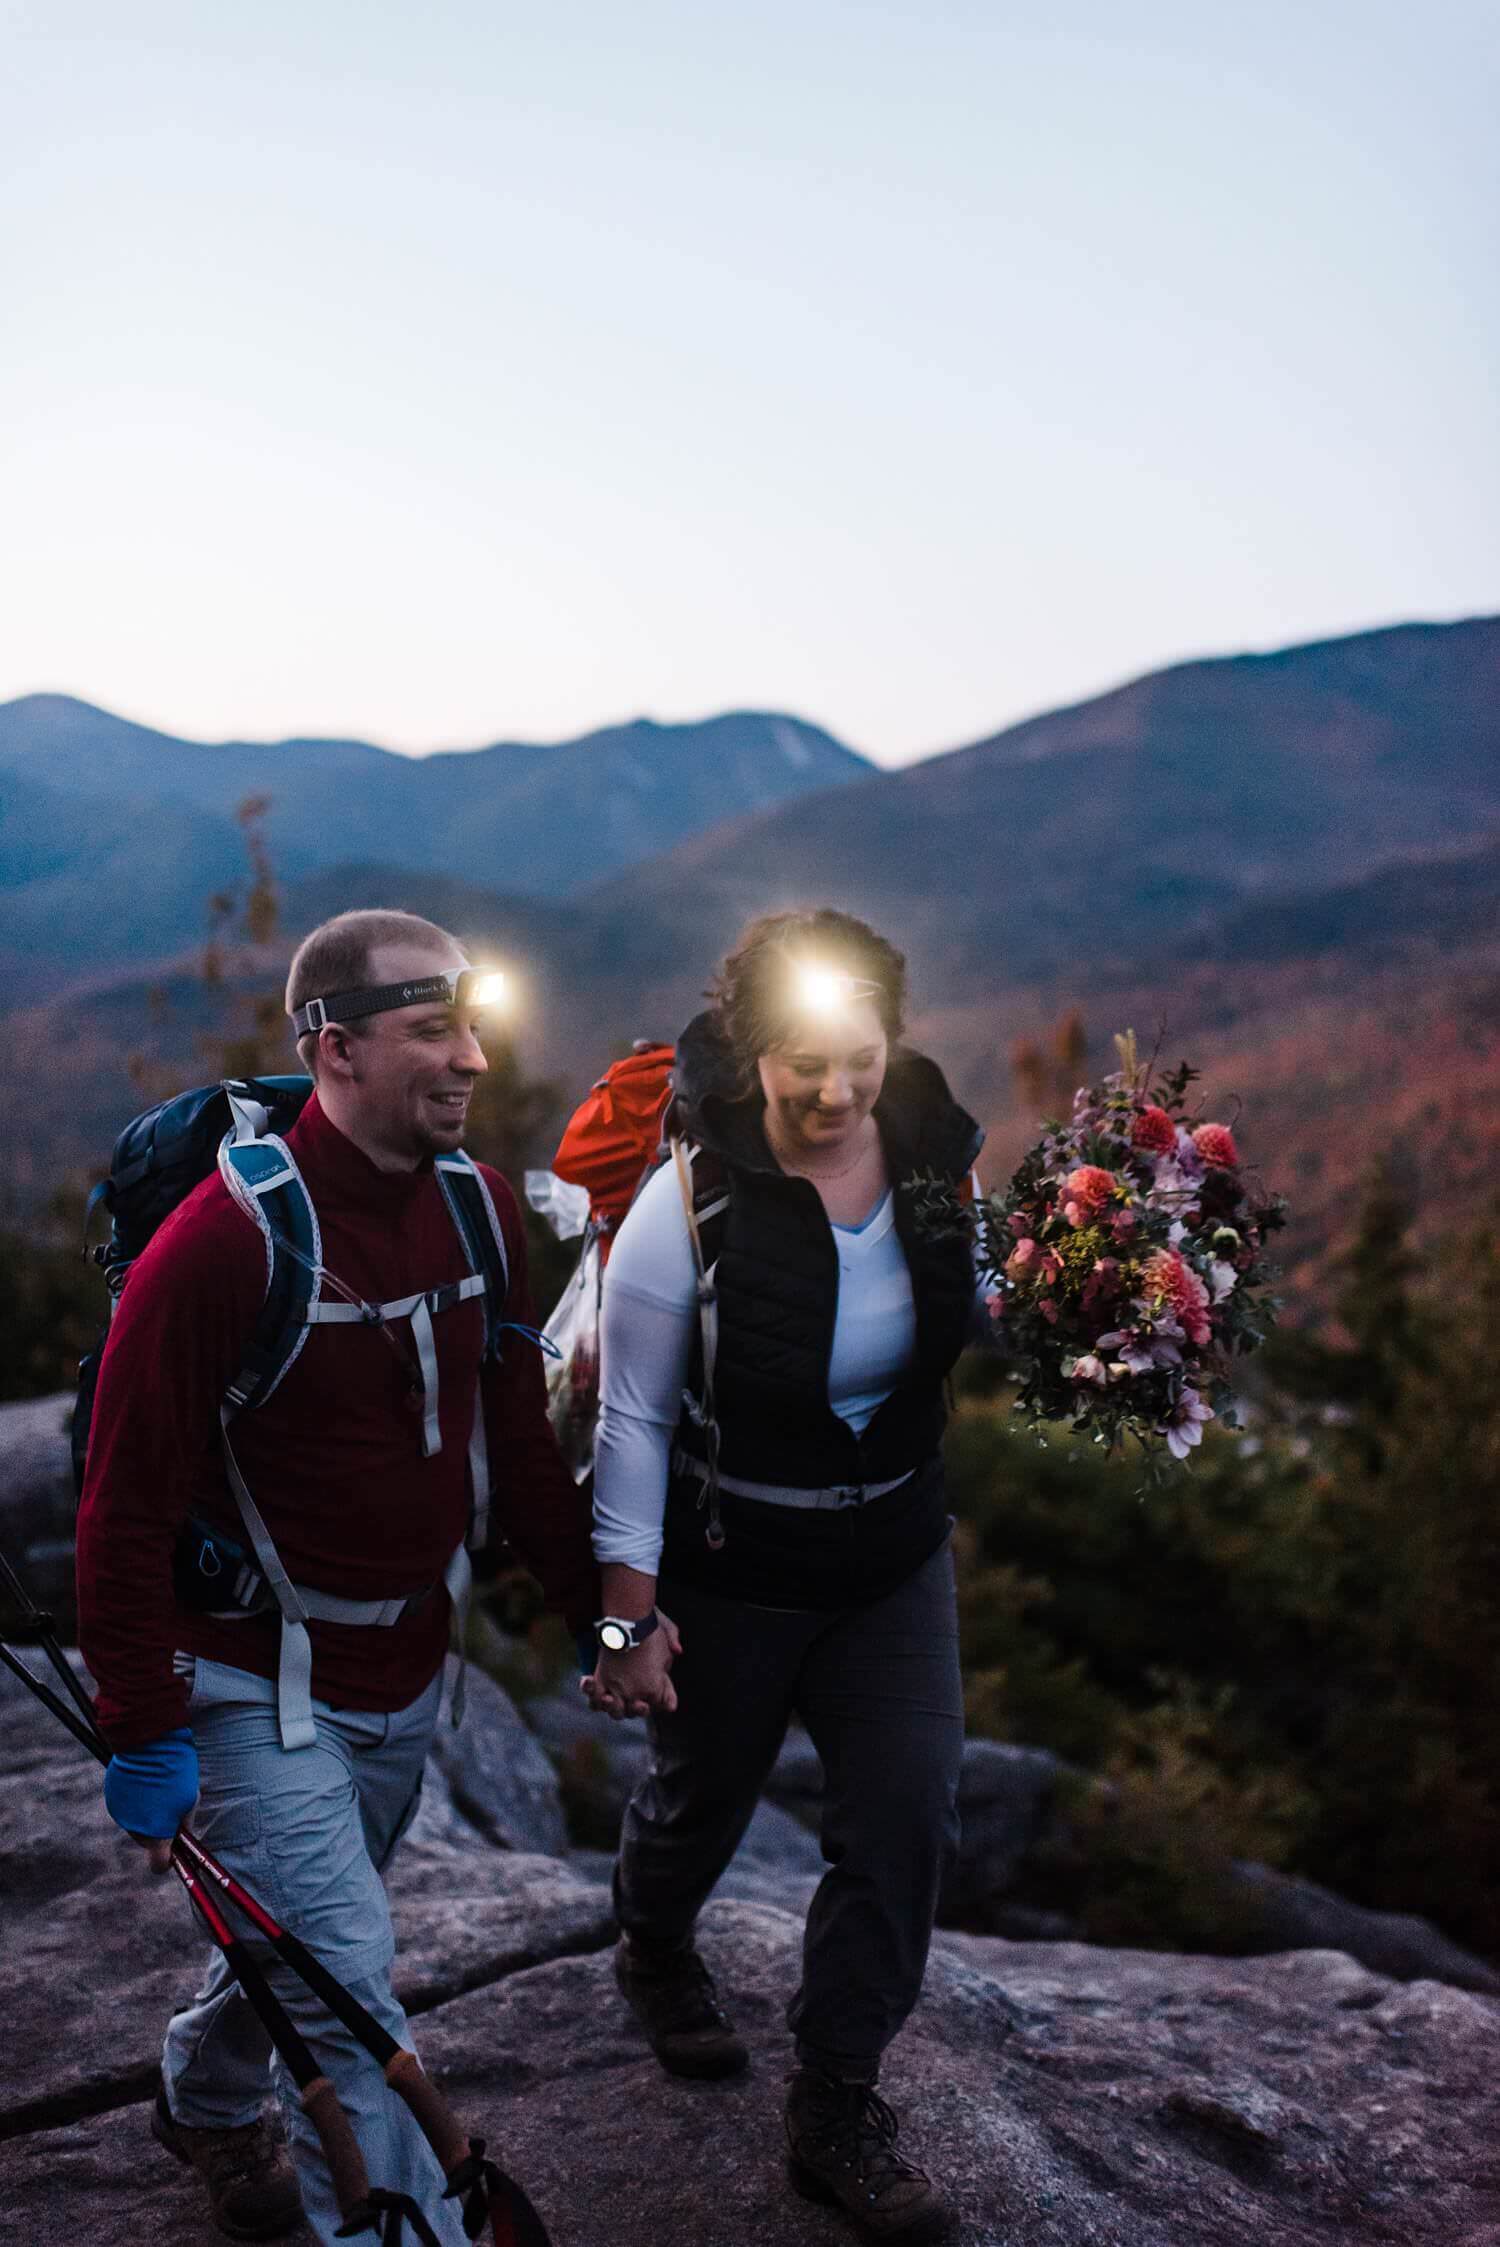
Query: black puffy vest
x=778 y=1273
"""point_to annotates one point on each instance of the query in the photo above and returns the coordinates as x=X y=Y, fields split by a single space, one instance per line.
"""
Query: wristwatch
x=618 y=1635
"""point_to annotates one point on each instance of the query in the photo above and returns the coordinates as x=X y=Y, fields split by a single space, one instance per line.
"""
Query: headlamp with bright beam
x=478 y=987
x=827 y=991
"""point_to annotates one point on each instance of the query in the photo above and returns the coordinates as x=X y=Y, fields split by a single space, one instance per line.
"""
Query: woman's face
x=822 y=1082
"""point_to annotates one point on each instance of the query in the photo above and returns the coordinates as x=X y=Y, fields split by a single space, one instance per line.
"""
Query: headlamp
x=468 y=987
x=827 y=991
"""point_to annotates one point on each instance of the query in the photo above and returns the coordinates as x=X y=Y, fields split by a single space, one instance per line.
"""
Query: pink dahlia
x=1086 y=1192
x=1168 y=1278
x=1215 y=1143
x=1184 y=1428
x=1154 y=1132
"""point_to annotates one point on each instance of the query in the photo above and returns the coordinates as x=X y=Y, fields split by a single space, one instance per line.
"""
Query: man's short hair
x=335 y=956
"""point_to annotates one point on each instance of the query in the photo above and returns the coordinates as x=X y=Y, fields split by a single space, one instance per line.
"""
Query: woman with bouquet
x=773 y=1471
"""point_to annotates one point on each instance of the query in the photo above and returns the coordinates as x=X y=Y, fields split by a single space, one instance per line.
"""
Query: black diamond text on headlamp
x=470 y=987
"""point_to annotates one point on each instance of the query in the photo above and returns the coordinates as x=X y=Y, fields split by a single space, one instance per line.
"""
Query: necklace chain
x=821 y=1177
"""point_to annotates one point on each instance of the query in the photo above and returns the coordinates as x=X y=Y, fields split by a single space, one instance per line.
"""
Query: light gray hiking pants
x=879 y=1689
x=308 y=1833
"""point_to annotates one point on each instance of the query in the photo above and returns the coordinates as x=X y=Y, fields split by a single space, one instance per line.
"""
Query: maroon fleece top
x=333 y=1459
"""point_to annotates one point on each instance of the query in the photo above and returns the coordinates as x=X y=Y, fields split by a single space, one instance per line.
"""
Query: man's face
x=414 y=1068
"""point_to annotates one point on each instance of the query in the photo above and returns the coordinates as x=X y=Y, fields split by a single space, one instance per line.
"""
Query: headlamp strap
x=378 y=998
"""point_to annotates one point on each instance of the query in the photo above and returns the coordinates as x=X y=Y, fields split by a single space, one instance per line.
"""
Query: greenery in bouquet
x=1127 y=1266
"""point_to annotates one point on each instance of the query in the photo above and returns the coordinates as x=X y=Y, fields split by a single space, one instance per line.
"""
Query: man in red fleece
x=360 y=1503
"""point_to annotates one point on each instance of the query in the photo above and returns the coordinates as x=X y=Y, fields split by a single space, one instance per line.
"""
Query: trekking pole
x=40 y=1629
x=482 y=2186
x=50 y=1700
x=361 y=2207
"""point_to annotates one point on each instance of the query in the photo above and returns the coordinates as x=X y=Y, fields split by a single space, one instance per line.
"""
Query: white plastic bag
x=565 y=1207
x=573 y=1374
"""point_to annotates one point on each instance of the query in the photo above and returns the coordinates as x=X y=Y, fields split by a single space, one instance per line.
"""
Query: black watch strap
x=617 y=1634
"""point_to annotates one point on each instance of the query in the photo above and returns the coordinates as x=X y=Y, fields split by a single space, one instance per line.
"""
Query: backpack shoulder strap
x=704 y=1200
x=472 y=1208
x=263 y=1179
x=710 y=1200
x=477 y=1223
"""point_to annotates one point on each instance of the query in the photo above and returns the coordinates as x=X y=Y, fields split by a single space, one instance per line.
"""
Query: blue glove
x=150 y=1790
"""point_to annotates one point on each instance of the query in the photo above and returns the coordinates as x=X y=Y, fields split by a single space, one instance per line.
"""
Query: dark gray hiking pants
x=878 y=1688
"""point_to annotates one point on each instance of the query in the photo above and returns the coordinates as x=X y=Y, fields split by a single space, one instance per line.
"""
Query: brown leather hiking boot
x=841 y=2141
x=672 y=1995
x=251 y=2187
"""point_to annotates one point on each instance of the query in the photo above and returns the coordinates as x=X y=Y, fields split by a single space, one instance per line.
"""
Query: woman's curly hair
x=753 y=993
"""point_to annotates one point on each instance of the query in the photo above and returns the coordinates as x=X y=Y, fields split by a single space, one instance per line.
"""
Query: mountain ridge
x=1293 y=860
x=514 y=817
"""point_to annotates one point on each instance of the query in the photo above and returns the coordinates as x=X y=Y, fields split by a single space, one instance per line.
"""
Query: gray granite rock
x=1066 y=2094
x=96 y=1953
x=36 y=1495
x=598 y=1760
x=1068 y=2098
x=1293 y=1914
x=778 y=1864
x=1008 y=1806
x=497 y=1776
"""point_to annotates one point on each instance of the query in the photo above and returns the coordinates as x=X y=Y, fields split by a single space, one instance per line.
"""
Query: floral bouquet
x=1126 y=1261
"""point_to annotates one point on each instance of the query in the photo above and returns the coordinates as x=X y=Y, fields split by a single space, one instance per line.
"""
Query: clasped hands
x=634 y=1684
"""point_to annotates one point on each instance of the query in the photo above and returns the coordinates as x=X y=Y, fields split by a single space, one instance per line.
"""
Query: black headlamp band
x=380 y=998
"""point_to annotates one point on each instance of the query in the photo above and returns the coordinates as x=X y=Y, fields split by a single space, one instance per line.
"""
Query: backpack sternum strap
x=419 y=1309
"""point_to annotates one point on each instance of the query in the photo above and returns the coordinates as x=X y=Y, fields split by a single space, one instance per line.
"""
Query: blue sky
x=438 y=375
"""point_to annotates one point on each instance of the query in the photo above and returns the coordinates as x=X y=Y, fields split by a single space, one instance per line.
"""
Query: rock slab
x=1068 y=2097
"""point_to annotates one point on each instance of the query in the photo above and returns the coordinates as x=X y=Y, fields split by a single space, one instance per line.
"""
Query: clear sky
x=449 y=372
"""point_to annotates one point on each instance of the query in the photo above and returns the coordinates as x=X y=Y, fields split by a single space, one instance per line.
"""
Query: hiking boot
x=672 y=1995
x=251 y=2187
x=841 y=2142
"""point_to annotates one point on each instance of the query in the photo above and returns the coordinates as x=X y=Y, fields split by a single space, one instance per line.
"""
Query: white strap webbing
x=421 y=1334
x=458 y=1581
x=251 y=1120
x=294 y=1665
x=479 y=1477
x=832 y=1496
x=298 y=1606
x=328 y=1313
x=419 y=1309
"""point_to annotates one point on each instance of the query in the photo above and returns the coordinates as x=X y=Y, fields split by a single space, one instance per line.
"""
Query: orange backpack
x=614 y=1135
x=613 y=1141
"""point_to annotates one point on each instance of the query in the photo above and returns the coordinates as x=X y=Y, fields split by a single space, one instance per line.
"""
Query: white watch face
x=613 y=1638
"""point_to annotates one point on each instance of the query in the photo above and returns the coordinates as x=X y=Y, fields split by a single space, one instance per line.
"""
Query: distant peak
x=48 y=705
